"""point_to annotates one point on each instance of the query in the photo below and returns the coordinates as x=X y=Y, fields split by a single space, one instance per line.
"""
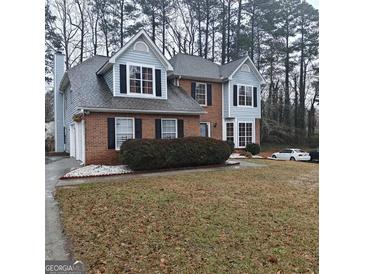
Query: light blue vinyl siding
x=242 y=112
x=144 y=58
x=108 y=76
x=70 y=108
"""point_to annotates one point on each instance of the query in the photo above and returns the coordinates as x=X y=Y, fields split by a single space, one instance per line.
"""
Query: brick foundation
x=96 y=134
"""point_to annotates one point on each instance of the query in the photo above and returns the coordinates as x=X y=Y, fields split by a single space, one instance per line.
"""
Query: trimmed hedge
x=149 y=154
x=253 y=148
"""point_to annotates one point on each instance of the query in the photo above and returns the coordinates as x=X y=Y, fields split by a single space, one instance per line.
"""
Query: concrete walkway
x=55 y=242
x=70 y=182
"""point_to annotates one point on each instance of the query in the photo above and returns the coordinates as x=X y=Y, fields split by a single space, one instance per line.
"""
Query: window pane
x=241 y=96
x=204 y=130
x=200 y=93
x=249 y=96
x=147 y=73
x=230 y=132
x=124 y=130
x=134 y=72
x=135 y=86
x=168 y=129
x=147 y=87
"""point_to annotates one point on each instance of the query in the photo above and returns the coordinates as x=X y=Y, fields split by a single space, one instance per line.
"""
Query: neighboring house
x=138 y=93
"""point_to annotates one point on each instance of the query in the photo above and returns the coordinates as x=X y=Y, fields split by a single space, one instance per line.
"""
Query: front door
x=204 y=129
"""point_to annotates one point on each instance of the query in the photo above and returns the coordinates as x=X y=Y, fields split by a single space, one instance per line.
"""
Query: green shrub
x=149 y=154
x=253 y=148
x=231 y=145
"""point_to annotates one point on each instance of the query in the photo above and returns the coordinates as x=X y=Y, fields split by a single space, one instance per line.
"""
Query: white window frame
x=169 y=119
x=238 y=132
x=140 y=42
x=238 y=95
x=115 y=129
x=208 y=123
x=206 y=93
x=153 y=80
x=234 y=130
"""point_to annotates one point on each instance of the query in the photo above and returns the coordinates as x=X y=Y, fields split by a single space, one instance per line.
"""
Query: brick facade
x=96 y=134
x=214 y=112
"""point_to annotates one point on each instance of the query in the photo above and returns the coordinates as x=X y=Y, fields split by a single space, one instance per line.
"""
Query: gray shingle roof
x=227 y=69
x=91 y=91
x=191 y=65
x=199 y=67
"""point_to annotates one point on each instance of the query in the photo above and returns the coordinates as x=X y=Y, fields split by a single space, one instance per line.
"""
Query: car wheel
x=274 y=156
x=292 y=159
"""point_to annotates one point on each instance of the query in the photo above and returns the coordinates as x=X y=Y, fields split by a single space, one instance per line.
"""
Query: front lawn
x=258 y=220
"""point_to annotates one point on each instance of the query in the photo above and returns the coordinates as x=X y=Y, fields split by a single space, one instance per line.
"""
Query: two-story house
x=138 y=93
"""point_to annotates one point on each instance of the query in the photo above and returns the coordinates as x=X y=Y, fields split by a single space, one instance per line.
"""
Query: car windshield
x=299 y=150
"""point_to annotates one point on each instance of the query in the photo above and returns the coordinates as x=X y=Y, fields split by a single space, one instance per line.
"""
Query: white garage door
x=77 y=141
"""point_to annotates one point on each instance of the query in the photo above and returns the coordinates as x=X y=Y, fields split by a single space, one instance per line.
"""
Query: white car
x=292 y=154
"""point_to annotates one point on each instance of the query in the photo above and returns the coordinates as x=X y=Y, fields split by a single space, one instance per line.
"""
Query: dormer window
x=141 y=46
x=141 y=79
x=245 y=68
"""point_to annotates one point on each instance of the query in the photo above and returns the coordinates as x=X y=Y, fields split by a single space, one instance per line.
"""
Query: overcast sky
x=314 y=3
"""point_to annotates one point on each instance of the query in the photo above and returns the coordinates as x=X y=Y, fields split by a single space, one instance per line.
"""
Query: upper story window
x=245 y=68
x=140 y=79
x=201 y=93
x=245 y=95
x=141 y=46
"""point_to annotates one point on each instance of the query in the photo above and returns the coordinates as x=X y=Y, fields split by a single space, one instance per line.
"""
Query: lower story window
x=230 y=132
x=204 y=130
x=168 y=129
x=123 y=130
x=244 y=134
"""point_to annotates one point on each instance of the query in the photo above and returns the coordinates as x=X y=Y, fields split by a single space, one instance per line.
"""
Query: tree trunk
x=286 y=86
x=200 y=30
x=207 y=29
x=163 y=27
x=238 y=28
x=121 y=23
x=229 y=32
x=252 y=31
x=223 y=33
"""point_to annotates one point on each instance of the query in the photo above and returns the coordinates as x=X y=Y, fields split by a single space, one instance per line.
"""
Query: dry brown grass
x=261 y=220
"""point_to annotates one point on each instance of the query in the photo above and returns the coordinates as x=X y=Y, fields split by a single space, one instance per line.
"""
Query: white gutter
x=181 y=112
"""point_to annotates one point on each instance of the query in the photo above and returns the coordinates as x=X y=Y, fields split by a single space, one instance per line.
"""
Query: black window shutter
x=123 y=78
x=193 y=86
x=158 y=128
x=180 y=128
x=158 y=82
x=111 y=133
x=255 y=96
x=138 y=128
x=209 y=94
x=235 y=95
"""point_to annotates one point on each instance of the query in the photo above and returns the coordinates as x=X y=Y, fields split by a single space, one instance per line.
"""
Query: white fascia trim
x=142 y=111
x=156 y=50
x=262 y=80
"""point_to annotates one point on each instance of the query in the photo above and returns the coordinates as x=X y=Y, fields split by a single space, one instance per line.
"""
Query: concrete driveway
x=55 y=242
